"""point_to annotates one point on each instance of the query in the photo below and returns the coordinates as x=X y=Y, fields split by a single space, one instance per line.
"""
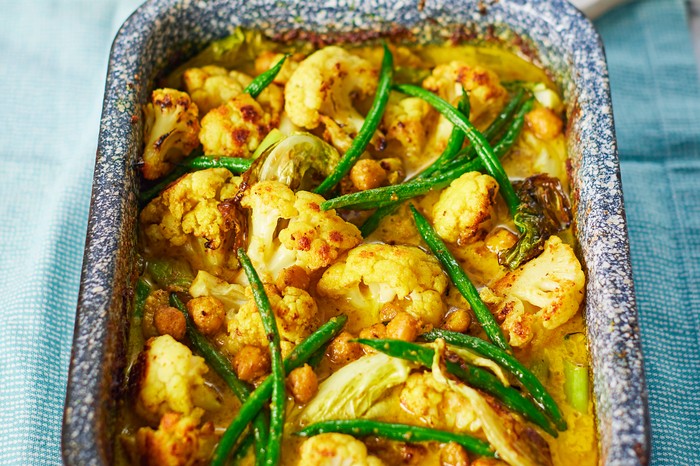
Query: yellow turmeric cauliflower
x=465 y=207
x=171 y=130
x=185 y=220
x=406 y=123
x=334 y=449
x=212 y=86
x=323 y=90
x=178 y=441
x=543 y=293
x=437 y=406
x=312 y=239
x=235 y=129
x=486 y=95
x=295 y=311
x=373 y=275
x=169 y=378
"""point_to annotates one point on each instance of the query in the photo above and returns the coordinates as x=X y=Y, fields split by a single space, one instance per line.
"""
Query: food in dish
x=356 y=254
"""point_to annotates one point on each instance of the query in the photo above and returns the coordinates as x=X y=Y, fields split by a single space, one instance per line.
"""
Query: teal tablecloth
x=53 y=56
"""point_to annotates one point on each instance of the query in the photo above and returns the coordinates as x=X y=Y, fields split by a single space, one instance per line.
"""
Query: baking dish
x=551 y=33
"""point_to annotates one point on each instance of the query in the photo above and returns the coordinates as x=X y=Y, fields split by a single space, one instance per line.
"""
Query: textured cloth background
x=53 y=57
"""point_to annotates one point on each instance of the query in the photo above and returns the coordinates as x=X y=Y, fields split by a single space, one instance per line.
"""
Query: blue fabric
x=53 y=56
x=656 y=101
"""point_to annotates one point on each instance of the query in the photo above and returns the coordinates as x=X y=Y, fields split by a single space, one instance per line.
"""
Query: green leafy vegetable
x=544 y=211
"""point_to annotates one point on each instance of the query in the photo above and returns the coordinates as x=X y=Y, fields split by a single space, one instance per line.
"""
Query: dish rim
x=104 y=292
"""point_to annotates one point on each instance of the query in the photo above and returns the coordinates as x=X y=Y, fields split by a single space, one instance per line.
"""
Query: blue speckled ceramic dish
x=551 y=33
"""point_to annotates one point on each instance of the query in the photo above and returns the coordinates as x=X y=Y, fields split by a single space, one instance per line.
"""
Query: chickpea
x=388 y=312
x=207 y=313
x=376 y=332
x=342 y=351
x=453 y=454
x=544 y=123
x=403 y=327
x=170 y=321
x=367 y=174
x=251 y=363
x=293 y=276
x=302 y=383
x=458 y=320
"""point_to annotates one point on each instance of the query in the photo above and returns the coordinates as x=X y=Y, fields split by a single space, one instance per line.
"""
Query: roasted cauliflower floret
x=486 y=95
x=235 y=129
x=213 y=86
x=312 y=239
x=437 y=406
x=336 y=450
x=465 y=207
x=542 y=294
x=323 y=90
x=171 y=131
x=185 y=220
x=178 y=441
x=374 y=275
x=169 y=378
x=407 y=122
x=296 y=314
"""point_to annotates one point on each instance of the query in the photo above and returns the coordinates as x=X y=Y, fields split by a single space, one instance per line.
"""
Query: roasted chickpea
x=453 y=454
x=376 y=331
x=544 y=123
x=207 y=314
x=403 y=327
x=302 y=383
x=293 y=276
x=342 y=351
x=458 y=320
x=251 y=363
x=170 y=321
x=367 y=174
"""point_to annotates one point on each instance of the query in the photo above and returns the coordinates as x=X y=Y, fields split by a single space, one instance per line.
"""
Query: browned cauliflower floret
x=465 y=207
x=323 y=90
x=312 y=239
x=296 y=314
x=171 y=131
x=407 y=122
x=178 y=441
x=169 y=378
x=234 y=129
x=336 y=450
x=486 y=95
x=374 y=275
x=544 y=293
x=213 y=86
x=185 y=220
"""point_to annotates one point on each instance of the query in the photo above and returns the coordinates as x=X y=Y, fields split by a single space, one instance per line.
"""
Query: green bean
x=146 y=196
x=264 y=79
x=255 y=403
x=397 y=432
x=472 y=375
x=507 y=361
x=454 y=144
x=481 y=145
x=576 y=385
x=219 y=363
x=380 y=197
x=369 y=126
x=274 y=446
x=234 y=164
x=460 y=279
x=143 y=289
